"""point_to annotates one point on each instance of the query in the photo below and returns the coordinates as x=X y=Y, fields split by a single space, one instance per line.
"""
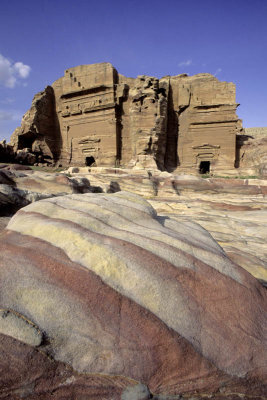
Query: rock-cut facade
x=95 y=116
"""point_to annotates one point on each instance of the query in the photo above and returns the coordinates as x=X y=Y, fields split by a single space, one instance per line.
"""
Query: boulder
x=25 y=156
x=117 y=291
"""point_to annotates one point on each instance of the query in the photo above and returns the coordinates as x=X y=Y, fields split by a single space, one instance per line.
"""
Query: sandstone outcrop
x=252 y=151
x=117 y=291
x=22 y=187
x=30 y=374
x=38 y=130
x=233 y=210
x=95 y=116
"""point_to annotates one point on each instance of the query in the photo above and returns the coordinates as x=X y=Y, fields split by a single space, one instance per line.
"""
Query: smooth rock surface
x=136 y=392
x=18 y=327
x=117 y=290
x=28 y=373
x=234 y=211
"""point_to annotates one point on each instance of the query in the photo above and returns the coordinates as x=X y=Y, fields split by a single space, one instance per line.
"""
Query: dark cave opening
x=204 y=167
x=89 y=161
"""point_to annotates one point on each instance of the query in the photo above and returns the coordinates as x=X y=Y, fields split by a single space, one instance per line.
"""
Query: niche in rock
x=204 y=167
x=89 y=161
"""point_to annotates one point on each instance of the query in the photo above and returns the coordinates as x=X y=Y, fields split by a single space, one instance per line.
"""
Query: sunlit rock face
x=95 y=116
x=101 y=285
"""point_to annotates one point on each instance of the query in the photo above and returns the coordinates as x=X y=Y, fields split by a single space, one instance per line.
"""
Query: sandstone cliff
x=95 y=116
x=39 y=128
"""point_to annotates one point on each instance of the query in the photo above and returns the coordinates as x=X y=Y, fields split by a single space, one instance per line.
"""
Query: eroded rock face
x=252 y=151
x=118 y=291
x=95 y=116
x=39 y=130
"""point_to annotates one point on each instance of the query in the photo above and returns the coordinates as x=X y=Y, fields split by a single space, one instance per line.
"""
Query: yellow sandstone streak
x=93 y=256
x=131 y=232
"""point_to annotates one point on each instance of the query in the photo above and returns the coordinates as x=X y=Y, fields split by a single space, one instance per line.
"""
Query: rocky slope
x=100 y=284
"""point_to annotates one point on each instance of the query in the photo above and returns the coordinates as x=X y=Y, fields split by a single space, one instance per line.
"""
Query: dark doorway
x=89 y=161
x=204 y=167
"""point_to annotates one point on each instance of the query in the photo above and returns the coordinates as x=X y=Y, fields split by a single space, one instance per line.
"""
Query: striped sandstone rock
x=117 y=291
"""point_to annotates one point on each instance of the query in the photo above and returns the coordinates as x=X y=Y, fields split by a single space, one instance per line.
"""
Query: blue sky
x=40 y=39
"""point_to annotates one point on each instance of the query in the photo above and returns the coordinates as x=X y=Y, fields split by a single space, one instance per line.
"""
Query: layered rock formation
x=21 y=187
x=232 y=210
x=95 y=116
x=99 y=283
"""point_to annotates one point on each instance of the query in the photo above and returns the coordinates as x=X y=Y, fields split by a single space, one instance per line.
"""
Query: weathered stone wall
x=95 y=116
x=207 y=121
x=87 y=113
x=144 y=121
